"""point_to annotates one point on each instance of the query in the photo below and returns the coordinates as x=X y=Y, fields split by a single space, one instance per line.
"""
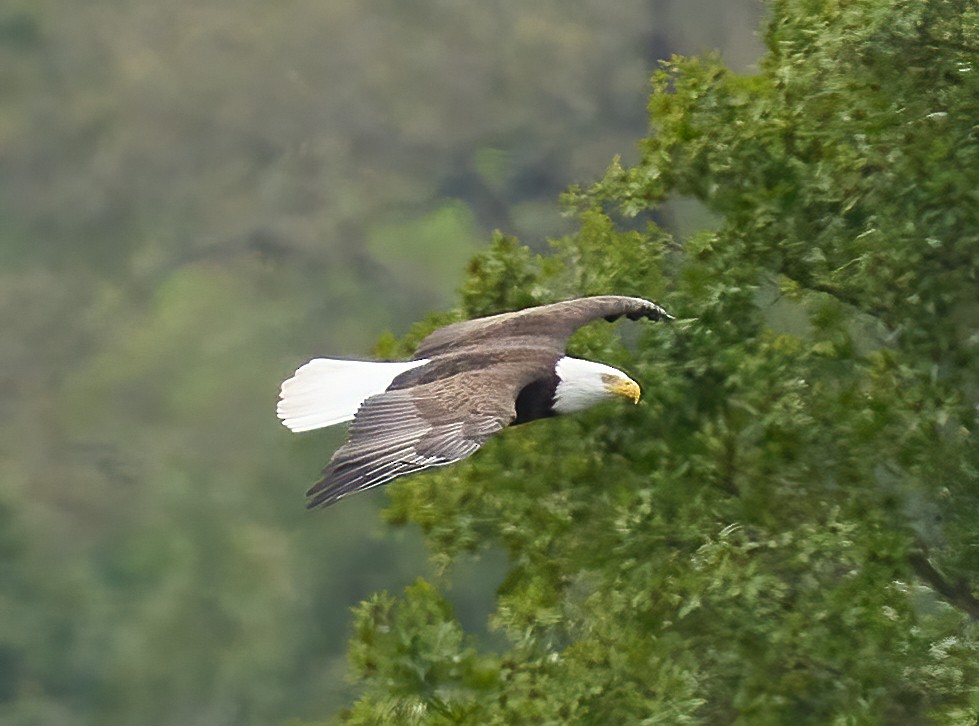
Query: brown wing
x=546 y=325
x=402 y=431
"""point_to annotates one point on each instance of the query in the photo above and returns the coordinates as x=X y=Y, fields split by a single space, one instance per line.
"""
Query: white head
x=583 y=383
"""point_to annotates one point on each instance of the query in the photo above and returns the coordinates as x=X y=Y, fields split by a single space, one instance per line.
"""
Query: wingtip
x=324 y=492
x=645 y=309
x=655 y=313
x=312 y=504
x=320 y=499
x=660 y=313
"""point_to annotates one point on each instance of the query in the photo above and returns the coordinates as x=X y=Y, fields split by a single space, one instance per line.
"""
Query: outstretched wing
x=546 y=325
x=403 y=431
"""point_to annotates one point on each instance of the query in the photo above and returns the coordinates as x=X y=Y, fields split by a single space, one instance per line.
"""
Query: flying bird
x=466 y=382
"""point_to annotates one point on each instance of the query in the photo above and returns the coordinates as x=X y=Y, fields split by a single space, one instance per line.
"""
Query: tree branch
x=808 y=282
x=959 y=594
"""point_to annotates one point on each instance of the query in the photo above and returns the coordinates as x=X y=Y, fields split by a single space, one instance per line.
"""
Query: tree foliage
x=194 y=199
x=785 y=530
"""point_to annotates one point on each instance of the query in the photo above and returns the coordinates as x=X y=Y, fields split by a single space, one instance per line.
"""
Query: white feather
x=325 y=391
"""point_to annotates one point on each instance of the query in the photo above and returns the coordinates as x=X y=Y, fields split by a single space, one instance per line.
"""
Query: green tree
x=194 y=198
x=786 y=530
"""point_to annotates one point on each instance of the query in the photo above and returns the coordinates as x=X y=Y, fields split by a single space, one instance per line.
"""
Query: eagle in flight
x=465 y=382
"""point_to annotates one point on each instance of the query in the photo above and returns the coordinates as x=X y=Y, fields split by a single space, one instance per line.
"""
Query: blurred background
x=194 y=200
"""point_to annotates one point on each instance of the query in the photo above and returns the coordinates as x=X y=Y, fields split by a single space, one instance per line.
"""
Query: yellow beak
x=625 y=387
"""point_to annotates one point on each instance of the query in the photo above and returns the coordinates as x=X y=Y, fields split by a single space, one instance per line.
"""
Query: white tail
x=325 y=392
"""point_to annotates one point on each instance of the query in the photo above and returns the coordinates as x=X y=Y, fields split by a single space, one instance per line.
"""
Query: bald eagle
x=465 y=382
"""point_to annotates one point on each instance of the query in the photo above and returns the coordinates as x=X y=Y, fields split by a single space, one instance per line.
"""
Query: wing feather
x=545 y=325
x=402 y=431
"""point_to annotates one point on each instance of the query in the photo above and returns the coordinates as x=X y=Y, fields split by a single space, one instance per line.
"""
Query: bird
x=465 y=382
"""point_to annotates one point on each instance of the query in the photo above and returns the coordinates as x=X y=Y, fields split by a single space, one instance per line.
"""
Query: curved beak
x=627 y=388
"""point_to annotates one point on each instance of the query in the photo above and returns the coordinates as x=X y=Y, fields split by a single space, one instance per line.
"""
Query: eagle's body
x=467 y=381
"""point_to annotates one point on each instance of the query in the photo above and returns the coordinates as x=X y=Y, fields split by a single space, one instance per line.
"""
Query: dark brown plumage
x=468 y=381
